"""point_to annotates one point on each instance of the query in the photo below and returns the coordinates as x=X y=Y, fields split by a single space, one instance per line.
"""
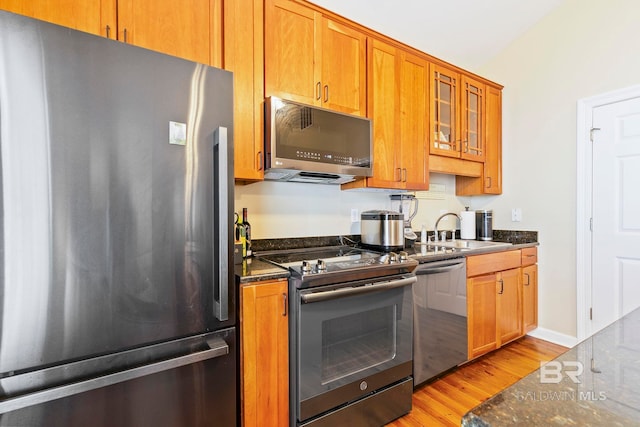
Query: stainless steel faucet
x=435 y=227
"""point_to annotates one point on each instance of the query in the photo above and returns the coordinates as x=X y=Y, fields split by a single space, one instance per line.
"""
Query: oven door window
x=348 y=339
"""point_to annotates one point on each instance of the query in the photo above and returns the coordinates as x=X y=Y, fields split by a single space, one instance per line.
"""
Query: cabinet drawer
x=489 y=263
x=529 y=256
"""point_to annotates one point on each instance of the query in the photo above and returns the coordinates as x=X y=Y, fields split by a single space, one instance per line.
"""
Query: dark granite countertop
x=596 y=383
x=254 y=269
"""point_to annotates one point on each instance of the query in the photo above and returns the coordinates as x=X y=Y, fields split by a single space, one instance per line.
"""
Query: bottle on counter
x=241 y=237
x=247 y=251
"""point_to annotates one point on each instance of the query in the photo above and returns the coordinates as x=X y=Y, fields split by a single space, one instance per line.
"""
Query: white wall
x=282 y=209
x=583 y=48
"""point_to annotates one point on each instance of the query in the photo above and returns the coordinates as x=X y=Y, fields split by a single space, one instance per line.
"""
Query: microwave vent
x=306 y=118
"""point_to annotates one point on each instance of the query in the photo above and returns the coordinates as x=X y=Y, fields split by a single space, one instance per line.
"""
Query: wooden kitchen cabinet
x=398 y=107
x=243 y=55
x=185 y=30
x=494 y=300
x=457 y=115
x=91 y=17
x=490 y=182
x=313 y=59
x=264 y=353
x=529 y=289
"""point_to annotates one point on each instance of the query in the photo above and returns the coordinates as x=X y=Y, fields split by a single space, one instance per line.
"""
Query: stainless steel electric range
x=351 y=323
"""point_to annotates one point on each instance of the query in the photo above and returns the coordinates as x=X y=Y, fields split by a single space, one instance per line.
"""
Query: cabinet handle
x=284 y=304
x=466 y=146
x=399 y=174
x=404 y=170
x=318 y=90
x=326 y=93
x=125 y=35
x=488 y=179
x=501 y=286
x=108 y=31
x=260 y=160
x=528 y=279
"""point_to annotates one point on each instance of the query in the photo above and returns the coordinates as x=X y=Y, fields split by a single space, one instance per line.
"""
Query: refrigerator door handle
x=217 y=348
x=222 y=304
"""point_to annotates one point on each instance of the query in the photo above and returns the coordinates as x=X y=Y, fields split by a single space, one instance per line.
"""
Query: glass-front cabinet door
x=445 y=116
x=472 y=124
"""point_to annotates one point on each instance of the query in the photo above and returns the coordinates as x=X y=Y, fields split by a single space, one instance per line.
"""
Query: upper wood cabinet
x=397 y=106
x=490 y=181
x=312 y=59
x=457 y=115
x=185 y=31
x=243 y=55
x=97 y=18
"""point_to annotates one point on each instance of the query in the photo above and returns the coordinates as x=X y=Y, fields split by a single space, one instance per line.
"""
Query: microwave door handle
x=358 y=290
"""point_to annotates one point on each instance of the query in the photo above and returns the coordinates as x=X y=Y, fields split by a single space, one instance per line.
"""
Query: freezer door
x=189 y=382
x=114 y=219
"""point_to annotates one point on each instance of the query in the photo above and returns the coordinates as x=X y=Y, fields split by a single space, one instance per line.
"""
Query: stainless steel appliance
x=117 y=298
x=484 y=225
x=439 y=318
x=304 y=143
x=350 y=336
x=382 y=230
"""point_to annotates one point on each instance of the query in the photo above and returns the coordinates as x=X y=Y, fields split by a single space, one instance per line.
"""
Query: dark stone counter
x=596 y=383
x=256 y=270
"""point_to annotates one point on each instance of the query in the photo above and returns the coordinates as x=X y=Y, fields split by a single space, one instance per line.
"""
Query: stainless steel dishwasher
x=439 y=318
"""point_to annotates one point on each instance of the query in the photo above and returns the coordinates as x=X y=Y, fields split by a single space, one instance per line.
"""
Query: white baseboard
x=554 y=337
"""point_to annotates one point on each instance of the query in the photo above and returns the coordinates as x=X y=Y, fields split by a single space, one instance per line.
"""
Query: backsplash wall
x=282 y=209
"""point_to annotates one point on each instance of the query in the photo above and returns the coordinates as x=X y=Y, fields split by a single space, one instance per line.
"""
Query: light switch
x=516 y=215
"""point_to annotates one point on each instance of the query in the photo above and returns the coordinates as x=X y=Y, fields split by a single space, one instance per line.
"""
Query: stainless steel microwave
x=305 y=143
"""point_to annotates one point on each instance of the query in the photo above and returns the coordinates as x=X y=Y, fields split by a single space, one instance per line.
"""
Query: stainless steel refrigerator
x=117 y=302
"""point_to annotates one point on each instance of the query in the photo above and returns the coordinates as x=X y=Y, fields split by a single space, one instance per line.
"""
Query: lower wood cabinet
x=501 y=298
x=264 y=353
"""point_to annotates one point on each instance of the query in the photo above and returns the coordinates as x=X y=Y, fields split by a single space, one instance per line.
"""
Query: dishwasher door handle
x=440 y=269
x=358 y=290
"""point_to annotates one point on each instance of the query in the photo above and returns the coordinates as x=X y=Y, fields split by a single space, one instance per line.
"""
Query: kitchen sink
x=471 y=244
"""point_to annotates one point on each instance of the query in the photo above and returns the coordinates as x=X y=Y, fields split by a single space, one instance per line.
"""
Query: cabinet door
x=243 y=23
x=414 y=108
x=472 y=120
x=382 y=110
x=493 y=140
x=264 y=354
x=182 y=30
x=289 y=48
x=343 y=72
x=482 y=312
x=529 y=298
x=509 y=290
x=91 y=17
x=445 y=85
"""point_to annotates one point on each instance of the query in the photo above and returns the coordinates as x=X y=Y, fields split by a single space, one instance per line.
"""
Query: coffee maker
x=407 y=205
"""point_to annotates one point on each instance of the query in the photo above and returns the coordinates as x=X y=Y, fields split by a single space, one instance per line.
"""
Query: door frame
x=584 y=191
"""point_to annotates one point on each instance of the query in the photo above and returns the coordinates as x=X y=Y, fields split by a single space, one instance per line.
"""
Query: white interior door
x=615 y=254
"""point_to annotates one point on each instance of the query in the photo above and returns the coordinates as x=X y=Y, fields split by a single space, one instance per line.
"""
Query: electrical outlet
x=516 y=215
x=355 y=217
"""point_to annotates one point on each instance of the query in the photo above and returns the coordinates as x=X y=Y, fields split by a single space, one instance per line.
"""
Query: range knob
x=322 y=266
x=306 y=267
x=403 y=255
x=393 y=257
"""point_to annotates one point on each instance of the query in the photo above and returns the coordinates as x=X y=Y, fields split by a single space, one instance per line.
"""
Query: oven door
x=352 y=339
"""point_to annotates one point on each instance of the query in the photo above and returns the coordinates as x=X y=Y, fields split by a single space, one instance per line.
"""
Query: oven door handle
x=358 y=290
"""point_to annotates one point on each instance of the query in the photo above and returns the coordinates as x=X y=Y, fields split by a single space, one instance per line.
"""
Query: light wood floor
x=444 y=401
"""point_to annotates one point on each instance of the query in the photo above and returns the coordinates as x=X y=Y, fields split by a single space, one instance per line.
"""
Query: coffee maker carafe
x=407 y=205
